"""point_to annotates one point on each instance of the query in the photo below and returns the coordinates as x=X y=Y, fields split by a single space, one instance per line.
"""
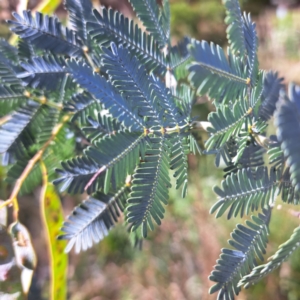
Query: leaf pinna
x=250 y=242
x=94 y=217
x=46 y=33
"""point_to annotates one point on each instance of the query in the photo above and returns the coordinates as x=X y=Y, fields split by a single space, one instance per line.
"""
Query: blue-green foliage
x=146 y=110
x=150 y=186
x=11 y=89
x=252 y=157
x=107 y=108
x=272 y=87
x=16 y=133
x=46 y=33
x=95 y=216
x=243 y=193
x=283 y=253
x=288 y=123
x=43 y=72
x=250 y=243
x=235 y=29
x=155 y=19
x=103 y=125
x=80 y=14
x=211 y=73
x=245 y=99
x=111 y=26
x=111 y=99
x=102 y=75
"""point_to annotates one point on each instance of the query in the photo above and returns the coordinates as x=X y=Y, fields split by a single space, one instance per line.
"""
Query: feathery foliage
x=211 y=72
x=235 y=29
x=80 y=14
x=46 y=33
x=244 y=193
x=288 y=127
x=110 y=26
x=272 y=87
x=94 y=217
x=43 y=72
x=105 y=108
x=284 y=251
x=252 y=158
x=250 y=242
x=154 y=19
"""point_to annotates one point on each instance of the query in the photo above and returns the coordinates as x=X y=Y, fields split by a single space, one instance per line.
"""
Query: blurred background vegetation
x=177 y=258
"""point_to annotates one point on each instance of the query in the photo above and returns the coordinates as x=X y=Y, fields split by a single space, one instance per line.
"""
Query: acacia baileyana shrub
x=104 y=108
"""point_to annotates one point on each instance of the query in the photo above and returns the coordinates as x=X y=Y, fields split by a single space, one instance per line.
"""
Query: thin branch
x=43 y=100
x=5 y=203
x=89 y=59
x=4 y=119
x=102 y=169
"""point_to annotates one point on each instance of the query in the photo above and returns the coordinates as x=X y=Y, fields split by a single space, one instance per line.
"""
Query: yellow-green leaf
x=53 y=218
x=48 y=7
